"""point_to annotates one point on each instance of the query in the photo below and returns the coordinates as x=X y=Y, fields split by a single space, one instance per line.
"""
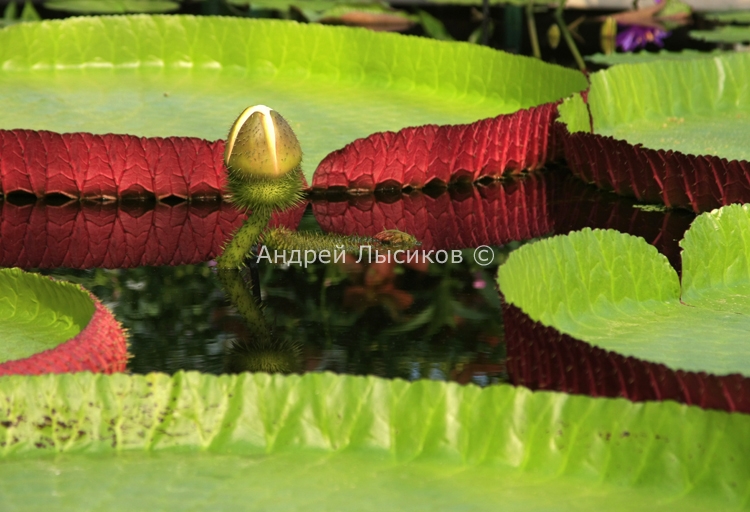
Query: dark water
x=439 y=321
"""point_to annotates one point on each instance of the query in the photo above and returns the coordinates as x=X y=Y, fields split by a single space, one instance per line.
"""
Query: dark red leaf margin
x=699 y=183
x=100 y=347
x=87 y=166
x=541 y=357
x=413 y=157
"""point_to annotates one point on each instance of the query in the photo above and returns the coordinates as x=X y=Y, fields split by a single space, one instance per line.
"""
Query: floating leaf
x=414 y=157
x=82 y=165
x=541 y=357
x=644 y=56
x=353 y=443
x=191 y=76
x=667 y=131
x=728 y=16
x=112 y=6
x=616 y=293
x=48 y=326
x=726 y=35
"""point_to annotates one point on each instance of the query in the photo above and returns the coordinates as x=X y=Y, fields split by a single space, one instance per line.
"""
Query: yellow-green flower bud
x=262 y=144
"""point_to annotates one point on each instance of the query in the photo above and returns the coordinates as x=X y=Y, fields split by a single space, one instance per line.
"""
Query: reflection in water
x=410 y=321
x=260 y=349
x=429 y=321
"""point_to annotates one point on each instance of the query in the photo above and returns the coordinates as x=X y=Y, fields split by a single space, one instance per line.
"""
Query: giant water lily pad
x=615 y=292
x=48 y=326
x=159 y=76
x=671 y=131
x=353 y=443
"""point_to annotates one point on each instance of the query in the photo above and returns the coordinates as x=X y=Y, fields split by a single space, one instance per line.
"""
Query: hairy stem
x=243 y=240
x=283 y=239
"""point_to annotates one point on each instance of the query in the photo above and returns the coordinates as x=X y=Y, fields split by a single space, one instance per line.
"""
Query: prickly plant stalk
x=285 y=240
x=243 y=240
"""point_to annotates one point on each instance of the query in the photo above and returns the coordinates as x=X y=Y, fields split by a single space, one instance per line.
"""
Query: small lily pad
x=52 y=326
x=37 y=314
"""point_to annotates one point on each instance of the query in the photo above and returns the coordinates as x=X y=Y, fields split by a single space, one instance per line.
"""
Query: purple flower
x=634 y=37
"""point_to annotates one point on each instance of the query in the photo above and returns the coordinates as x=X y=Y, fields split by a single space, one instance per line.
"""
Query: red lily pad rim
x=695 y=182
x=100 y=347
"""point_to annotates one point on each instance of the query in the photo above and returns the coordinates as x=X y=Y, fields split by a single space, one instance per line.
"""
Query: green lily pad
x=696 y=106
x=616 y=292
x=191 y=76
x=322 y=441
x=644 y=56
x=38 y=314
x=112 y=6
x=727 y=35
x=728 y=16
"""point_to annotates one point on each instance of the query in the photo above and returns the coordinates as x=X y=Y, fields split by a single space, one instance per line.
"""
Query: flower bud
x=262 y=144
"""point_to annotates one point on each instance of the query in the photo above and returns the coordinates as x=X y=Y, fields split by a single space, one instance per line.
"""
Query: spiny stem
x=286 y=240
x=243 y=240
